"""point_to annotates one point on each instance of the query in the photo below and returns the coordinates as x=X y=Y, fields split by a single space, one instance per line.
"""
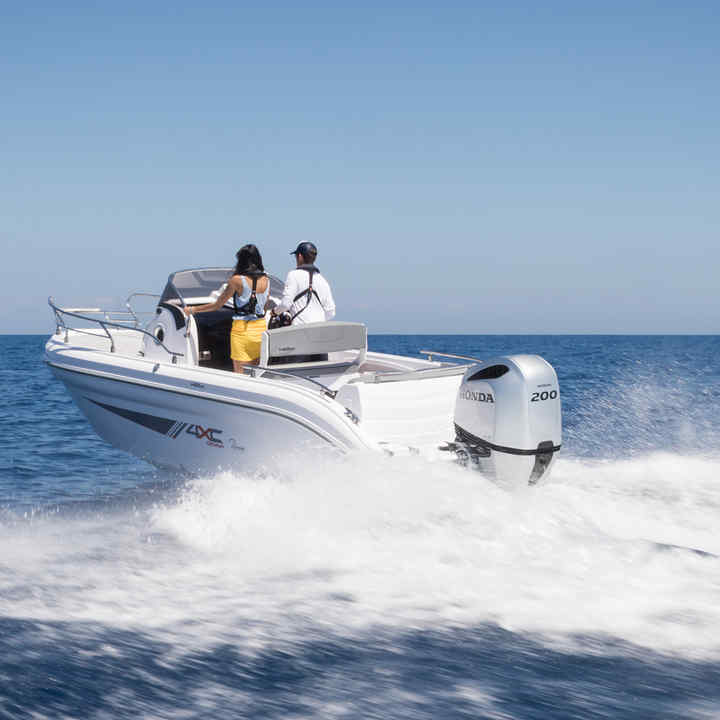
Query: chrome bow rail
x=105 y=323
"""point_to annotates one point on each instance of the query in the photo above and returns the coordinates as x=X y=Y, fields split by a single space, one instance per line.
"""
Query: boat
x=161 y=387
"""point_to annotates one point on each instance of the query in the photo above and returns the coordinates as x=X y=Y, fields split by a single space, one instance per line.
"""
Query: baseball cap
x=304 y=249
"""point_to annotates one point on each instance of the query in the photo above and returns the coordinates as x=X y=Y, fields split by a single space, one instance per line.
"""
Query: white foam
x=395 y=543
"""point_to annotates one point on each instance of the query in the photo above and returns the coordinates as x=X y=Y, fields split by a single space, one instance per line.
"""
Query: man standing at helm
x=307 y=296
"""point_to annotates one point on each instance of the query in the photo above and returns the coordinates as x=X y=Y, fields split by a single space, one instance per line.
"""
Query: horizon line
x=31 y=333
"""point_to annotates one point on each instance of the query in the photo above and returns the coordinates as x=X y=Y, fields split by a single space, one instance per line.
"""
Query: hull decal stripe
x=309 y=428
x=158 y=424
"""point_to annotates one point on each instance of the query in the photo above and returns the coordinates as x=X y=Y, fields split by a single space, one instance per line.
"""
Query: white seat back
x=313 y=339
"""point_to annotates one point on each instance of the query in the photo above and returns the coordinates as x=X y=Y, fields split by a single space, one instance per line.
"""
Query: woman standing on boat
x=249 y=287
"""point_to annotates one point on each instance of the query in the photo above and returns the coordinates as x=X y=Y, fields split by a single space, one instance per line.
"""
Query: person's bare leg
x=240 y=367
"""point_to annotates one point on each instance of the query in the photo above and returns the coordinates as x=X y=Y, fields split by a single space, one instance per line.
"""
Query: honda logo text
x=477 y=396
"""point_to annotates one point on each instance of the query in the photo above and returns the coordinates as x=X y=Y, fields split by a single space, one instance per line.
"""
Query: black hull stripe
x=470 y=439
x=153 y=422
x=517 y=451
x=201 y=397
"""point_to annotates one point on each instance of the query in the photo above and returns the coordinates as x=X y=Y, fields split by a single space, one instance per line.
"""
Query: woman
x=249 y=287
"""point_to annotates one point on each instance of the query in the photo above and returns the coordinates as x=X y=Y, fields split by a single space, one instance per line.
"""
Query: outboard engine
x=170 y=327
x=508 y=420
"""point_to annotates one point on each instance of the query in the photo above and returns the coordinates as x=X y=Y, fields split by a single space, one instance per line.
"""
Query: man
x=307 y=296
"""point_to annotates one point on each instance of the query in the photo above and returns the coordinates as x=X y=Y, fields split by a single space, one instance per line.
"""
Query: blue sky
x=462 y=167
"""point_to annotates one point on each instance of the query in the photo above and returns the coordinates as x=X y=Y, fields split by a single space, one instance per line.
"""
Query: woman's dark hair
x=249 y=260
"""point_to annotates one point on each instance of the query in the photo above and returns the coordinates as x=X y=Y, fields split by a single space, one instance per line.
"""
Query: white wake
x=620 y=548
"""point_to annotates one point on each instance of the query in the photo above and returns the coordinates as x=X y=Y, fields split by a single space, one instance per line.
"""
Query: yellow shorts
x=245 y=339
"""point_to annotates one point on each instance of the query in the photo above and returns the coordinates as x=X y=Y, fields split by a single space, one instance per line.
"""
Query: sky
x=463 y=167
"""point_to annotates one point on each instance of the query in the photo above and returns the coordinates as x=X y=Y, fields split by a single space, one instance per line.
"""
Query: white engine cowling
x=508 y=419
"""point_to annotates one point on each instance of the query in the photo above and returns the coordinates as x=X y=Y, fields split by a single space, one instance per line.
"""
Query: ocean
x=373 y=587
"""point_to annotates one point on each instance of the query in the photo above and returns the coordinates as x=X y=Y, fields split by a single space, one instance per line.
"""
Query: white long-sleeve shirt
x=296 y=282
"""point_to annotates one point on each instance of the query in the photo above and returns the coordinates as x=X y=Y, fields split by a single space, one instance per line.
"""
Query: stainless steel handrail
x=104 y=324
x=443 y=370
x=326 y=390
x=430 y=354
x=59 y=312
x=100 y=311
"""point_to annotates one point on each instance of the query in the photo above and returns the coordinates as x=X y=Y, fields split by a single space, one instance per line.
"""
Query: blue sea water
x=373 y=587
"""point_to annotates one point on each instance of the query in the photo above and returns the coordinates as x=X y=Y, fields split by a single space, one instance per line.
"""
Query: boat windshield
x=192 y=285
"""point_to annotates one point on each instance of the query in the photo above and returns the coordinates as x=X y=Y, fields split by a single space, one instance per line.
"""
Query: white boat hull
x=158 y=402
x=173 y=420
